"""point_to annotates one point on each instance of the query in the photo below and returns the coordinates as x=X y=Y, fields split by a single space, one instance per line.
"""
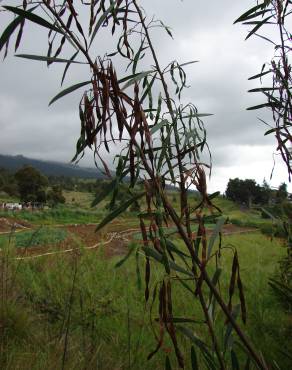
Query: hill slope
x=13 y=163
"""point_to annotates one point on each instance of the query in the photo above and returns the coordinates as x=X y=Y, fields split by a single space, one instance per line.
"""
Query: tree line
x=31 y=186
x=248 y=192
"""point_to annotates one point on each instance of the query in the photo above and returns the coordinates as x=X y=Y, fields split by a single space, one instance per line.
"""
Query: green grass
x=267 y=324
x=59 y=215
x=247 y=217
x=78 y=198
x=65 y=215
x=107 y=320
x=43 y=236
x=107 y=316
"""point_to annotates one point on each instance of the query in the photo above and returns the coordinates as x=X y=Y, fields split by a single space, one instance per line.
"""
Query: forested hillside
x=48 y=168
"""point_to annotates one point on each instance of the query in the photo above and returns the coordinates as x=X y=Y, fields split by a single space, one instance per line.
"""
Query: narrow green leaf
x=167 y=363
x=137 y=56
x=137 y=77
x=193 y=337
x=158 y=109
x=173 y=67
x=247 y=364
x=247 y=14
x=181 y=320
x=211 y=219
x=148 y=89
x=258 y=26
x=138 y=272
x=186 y=286
x=69 y=90
x=194 y=360
x=133 y=75
x=234 y=360
x=167 y=29
x=259 y=75
x=101 y=20
x=11 y=28
x=215 y=233
x=46 y=59
x=68 y=65
x=214 y=195
x=174 y=249
x=215 y=280
x=33 y=18
x=268 y=213
x=200 y=344
x=198 y=115
x=158 y=126
x=9 y=31
x=163 y=154
x=188 y=63
x=261 y=89
x=124 y=259
x=259 y=106
x=256 y=14
x=228 y=334
x=159 y=258
x=108 y=189
x=270 y=131
x=122 y=208
x=210 y=362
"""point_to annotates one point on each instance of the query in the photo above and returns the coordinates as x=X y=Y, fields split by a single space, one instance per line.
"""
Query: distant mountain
x=49 y=168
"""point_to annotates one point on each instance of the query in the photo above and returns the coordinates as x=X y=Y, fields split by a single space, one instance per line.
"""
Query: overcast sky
x=218 y=85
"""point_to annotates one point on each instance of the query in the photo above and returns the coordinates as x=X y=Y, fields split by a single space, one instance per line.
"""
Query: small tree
x=265 y=193
x=55 y=196
x=8 y=183
x=244 y=191
x=282 y=193
x=31 y=185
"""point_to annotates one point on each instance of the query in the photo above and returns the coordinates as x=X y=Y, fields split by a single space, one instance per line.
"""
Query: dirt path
x=116 y=237
x=115 y=241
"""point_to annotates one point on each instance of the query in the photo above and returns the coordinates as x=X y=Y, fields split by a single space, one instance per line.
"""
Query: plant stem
x=211 y=330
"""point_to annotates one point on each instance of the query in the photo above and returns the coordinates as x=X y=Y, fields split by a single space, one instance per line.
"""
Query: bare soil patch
x=114 y=237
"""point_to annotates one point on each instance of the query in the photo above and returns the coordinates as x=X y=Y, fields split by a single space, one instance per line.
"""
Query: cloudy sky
x=218 y=85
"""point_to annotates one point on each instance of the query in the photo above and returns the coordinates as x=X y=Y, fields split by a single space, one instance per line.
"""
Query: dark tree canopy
x=282 y=193
x=248 y=191
x=55 y=196
x=31 y=184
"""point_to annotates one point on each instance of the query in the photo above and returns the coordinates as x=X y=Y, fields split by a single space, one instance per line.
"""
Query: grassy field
x=77 y=209
x=41 y=236
x=59 y=215
x=78 y=199
x=81 y=312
